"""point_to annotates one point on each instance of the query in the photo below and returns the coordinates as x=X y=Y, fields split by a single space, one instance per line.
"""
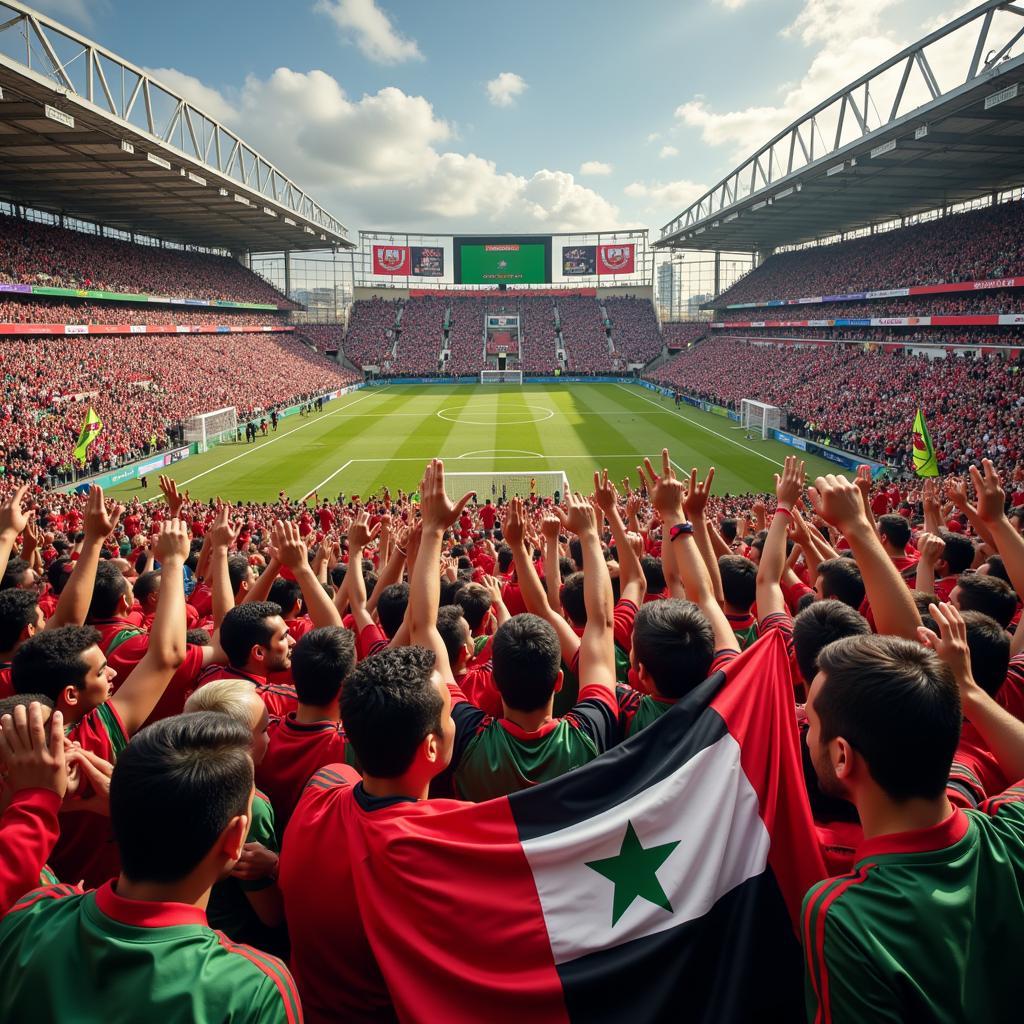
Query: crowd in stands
x=865 y=402
x=635 y=333
x=141 y=387
x=583 y=333
x=326 y=337
x=465 y=337
x=14 y=311
x=681 y=333
x=379 y=668
x=370 y=337
x=985 y=335
x=537 y=334
x=979 y=245
x=42 y=254
x=421 y=333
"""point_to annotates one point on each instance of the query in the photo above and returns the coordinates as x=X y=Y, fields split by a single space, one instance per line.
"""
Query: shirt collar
x=144 y=913
x=921 y=840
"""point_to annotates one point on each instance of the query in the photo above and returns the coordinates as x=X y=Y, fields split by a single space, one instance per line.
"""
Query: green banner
x=85 y=293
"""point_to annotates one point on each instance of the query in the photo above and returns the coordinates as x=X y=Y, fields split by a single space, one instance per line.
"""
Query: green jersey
x=925 y=926
x=65 y=956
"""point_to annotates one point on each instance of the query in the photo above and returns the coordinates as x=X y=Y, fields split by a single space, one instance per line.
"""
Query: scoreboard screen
x=503 y=260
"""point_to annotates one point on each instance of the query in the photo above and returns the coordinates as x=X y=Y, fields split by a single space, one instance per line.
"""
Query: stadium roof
x=940 y=123
x=85 y=133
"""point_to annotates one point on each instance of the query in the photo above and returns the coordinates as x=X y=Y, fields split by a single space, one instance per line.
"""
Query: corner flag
x=90 y=431
x=925 y=462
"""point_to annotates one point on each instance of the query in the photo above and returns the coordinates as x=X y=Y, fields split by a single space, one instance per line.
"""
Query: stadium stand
x=369 y=340
x=41 y=311
x=421 y=330
x=583 y=333
x=465 y=336
x=635 y=333
x=537 y=334
x=41 y=254
x=987 y=336
x=324 y=337
x=680 y=333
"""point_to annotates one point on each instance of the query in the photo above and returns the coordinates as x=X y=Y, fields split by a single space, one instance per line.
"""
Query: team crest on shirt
x=616 y=257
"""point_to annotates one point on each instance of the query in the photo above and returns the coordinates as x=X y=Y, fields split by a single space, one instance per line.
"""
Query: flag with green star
x=661 y=881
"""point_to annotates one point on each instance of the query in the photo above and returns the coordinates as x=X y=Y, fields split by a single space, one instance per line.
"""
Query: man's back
x=98 y=957
x=922 y=927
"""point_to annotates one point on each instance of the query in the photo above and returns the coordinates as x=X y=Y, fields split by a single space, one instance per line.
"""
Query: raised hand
x=697 y=495
x=514 y=529
x=172 y=543
x=956 y=491
x=13 y=519
x=34 y=757
x=551 y=525
x=86 y=767
x=605 y=495
x=580 y=517
x=224 y=532
x=951 y=643
x=360 y=535
x=838 y=501
x=991 y=496
x=931 y=547
x=863 y=479
x=289 y=545
x=666 y=491
x=99 y=522
x=790 y=485
x=170 y=492
x=437 y=509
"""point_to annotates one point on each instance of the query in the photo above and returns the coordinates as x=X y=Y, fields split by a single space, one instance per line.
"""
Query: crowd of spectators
x=325 y=337
x=142 y=387
x=421 y=331
x=975 y=246
x=682 y=333
x=584 y=336
x=635 y=333
x=465 y=336
x=537 y=334
x=993 y=334
x=370 y=338
x=41 y=311
x=865 y=402
x=42 y=254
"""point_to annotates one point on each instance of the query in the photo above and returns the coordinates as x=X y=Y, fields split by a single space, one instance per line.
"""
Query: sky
x=523 y=115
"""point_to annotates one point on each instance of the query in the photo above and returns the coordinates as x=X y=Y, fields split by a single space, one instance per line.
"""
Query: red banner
x=391 y=260
x=615 y=259
x=72 y=329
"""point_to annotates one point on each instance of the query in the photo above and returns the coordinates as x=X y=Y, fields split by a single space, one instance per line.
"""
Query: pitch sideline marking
x=329 y=478
x=686 y=419
x=267 y=444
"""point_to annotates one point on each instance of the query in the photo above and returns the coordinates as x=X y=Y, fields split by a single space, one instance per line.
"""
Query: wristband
x=680 y=530
x=783 y=510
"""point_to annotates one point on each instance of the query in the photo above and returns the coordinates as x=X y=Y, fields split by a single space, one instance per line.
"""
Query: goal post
x=501 y=377
x=209 y=428
x=760 y=417
x=505 y=485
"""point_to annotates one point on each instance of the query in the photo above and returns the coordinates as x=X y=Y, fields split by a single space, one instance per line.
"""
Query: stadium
x=400 y=527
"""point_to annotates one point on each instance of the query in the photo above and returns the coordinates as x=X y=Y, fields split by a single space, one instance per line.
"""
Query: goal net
x=759 y=418
x=209 y=428
x=501 y=377
x=506 y=485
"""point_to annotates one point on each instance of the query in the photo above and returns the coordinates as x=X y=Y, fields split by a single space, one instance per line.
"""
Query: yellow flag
x=90 y=431
x=925 y=462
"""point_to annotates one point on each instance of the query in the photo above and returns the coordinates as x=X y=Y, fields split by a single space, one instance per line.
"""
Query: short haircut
x=990 y=651
x=895 y=529
x=16 y=568
x=526 y=658
x=820 y=624
x=897 y=705
x=739 y=580
x=728 y=530
x=573 y=600
x=230 y=697
x=148 y=583
x=997 y=568
x=454 y=630
x=504 y=558
x=475 y=602
x=238 y=570
x=8 y=704
x=286 y=593
x=675 y=643
x=391 y=606
x=58 y=572
x=107 y=591
x=321 y=661
x=49 y=661
x=653 y=573
x=18 y=609
x=197 y=637
x=576 y=552
x=244 y=627
x=841 y=579
x=389 y=706
x=988 y=595
x=959 y=552
x=175 y=788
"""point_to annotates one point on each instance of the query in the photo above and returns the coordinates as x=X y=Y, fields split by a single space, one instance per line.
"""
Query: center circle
x=499 y=422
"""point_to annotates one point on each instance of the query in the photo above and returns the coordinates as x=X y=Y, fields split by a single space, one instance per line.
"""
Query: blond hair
x=231 y=697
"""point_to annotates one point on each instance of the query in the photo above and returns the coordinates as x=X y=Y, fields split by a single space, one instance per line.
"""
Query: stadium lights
x=921 y=133
x=242 y=200
x=1009 y=93
x=783 y=194
x=269 y=212
x=194 y=177
x=288 y=220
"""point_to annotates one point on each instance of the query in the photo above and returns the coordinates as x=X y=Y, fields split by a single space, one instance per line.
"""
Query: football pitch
x=382 y=436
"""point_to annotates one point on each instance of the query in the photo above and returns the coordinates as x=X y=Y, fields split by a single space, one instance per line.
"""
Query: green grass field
x=382 y=436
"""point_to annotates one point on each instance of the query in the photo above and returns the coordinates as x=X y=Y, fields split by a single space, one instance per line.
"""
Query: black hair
x=739 y=580
x=107 y=591
x=987 y=594
x=238 y=570
x=527 y=659
x=504 y=558
x=18 y=609
x=389 y=706
x=15 y=569
x=573 y=600
x=49 y=661
x=286 y=593
x=997 y=568
x=818 y=625
x=895 y=529
x=391 y=606
x=174 y=790
x=454 y=630
x=146 y=584
x=475 y=602
x=197 y=637
x=675 y=643
x=321 y=660
x=244 y=627
x=897 y=705
x=58 y=572
x=990 y=651
x=841 y=579
x=654 y=574
x=8 y=704
x=728 y=530
x=959 y=552
x=576 y=552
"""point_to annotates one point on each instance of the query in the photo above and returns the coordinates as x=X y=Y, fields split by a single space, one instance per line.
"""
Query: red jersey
x=6 y=689
x=280 y=700
x=295 y=753
x=488 y=514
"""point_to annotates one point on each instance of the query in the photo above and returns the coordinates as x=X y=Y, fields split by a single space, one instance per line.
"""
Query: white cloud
x=731 y=5
x=503 y=90
x=382 y=160
x=595 y=167
x=654 y=136
x=667 y=151
x=665 y=199
x=79 y=12
x=208 y=100
x=364 y=23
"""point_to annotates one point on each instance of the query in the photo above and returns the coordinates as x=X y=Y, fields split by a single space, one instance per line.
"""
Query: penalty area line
x=327 y=479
